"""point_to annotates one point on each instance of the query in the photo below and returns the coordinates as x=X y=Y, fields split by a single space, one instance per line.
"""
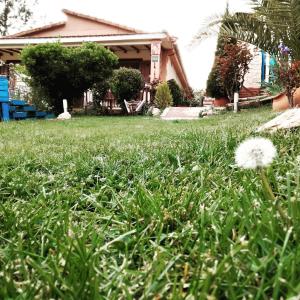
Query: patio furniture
x=134 y=106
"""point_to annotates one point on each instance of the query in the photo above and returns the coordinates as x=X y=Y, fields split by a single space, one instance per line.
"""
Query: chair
x=134 y=106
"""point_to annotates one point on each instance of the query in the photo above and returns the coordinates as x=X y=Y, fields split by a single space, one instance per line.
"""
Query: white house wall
x=253 y=77
x=171 y=73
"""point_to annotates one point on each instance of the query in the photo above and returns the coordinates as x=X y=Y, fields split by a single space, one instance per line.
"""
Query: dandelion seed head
x=254 y=153
x=195 y=168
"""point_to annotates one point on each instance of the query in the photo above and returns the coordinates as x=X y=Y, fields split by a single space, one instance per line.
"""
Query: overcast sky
x=181 y=18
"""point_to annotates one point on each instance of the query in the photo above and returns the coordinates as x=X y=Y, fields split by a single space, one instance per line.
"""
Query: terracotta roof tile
x=63 y=36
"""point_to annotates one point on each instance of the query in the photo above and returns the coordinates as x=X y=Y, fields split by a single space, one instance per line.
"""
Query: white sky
x=181 y=18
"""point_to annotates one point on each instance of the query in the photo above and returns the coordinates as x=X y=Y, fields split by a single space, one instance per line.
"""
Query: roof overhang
x=109 y=40
x=137 y=42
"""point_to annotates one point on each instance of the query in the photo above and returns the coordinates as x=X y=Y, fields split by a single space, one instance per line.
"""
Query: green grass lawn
x=139 y=208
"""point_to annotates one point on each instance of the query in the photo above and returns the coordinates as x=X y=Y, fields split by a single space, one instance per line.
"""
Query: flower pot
x=280 y=102
x=221 y=102
x=297 y=97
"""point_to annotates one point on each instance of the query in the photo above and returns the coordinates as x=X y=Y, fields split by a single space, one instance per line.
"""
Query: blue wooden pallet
x=19 y=115
x=18 y=103
x=17 y=109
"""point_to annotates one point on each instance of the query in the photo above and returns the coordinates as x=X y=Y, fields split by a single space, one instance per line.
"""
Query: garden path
x=182 y=113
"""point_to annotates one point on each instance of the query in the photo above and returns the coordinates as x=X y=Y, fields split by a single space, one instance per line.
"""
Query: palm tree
x=270 y=23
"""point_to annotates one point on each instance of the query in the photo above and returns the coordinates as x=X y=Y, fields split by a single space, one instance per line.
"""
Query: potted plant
x=288 y=73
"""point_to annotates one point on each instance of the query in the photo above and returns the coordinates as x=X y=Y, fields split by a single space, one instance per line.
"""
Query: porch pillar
x=155 y=61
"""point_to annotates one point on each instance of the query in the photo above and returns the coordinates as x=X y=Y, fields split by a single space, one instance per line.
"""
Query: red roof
x=78 y=15
x=35 y=30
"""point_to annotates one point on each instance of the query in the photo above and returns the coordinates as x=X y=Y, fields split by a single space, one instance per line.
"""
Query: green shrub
x=176 y=92
x=214 y=86
x=61 y=72
x=163 y=97
x=126 y=83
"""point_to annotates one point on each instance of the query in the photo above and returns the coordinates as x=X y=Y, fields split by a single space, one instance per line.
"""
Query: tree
x=214 y=85
x=233 y=66
x=288 y=73
x=176 y=93
x=270 y=23
x=61 y=72
x=126 y=84
x=14 y=12
x=163 y=97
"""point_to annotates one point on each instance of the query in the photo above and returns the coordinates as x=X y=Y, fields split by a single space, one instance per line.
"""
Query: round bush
x=126 y=83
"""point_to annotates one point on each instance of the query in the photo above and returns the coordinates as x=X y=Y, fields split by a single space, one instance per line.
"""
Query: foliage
x=145 y=212
x=270 y=23
x=153 y=87
x=198 y=98
x=289 y=75
x=14 y=12
x=163 y=97
x=62 y=72
x=126 y=84
x=99 y=91
x=176 y=92
x=214 y=85
x=233 y=66
x=32 y=94
x=273 y=88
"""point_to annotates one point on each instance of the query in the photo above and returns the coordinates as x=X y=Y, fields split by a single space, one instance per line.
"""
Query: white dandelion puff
x=254 y=153
x=195 y=168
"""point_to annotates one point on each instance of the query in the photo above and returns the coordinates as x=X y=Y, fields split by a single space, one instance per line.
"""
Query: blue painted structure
x=16 y=109
x=4 y=99
x=263 y=66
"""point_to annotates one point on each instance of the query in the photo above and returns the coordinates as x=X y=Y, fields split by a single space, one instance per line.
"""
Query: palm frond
x=209 y=28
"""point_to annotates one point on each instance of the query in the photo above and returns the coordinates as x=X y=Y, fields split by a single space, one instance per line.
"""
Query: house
x=156 y=55
x=260 y=70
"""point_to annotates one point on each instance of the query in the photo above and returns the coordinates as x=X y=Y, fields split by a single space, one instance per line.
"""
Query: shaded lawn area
x=139 y=208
